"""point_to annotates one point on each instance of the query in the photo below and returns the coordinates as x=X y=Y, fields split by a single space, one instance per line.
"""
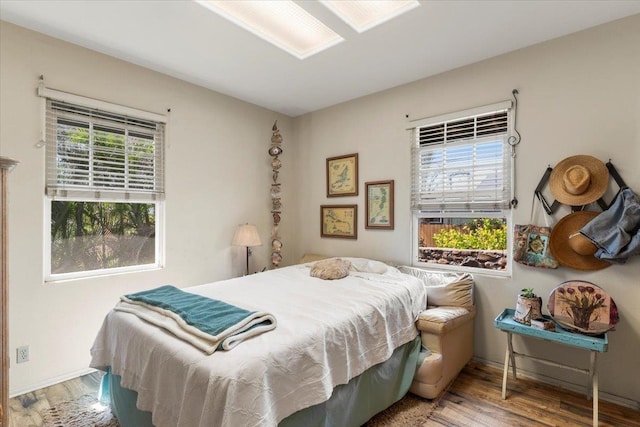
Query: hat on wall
x=572 y=249
x=579 y=180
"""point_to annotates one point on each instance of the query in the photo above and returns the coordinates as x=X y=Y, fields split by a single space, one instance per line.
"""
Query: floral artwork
x=583 y=307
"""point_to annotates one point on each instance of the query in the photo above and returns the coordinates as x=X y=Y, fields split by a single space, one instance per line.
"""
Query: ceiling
x=184 y=40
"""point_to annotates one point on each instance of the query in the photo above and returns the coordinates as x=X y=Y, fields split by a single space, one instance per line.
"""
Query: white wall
x=579 y=94
x=218 y=176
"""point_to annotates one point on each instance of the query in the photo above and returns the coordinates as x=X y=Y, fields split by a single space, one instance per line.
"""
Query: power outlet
x=22 y=354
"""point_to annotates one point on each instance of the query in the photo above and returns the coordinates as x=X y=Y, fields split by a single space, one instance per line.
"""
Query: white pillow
x=364 y=265
x=444 y=289
x=312 y=258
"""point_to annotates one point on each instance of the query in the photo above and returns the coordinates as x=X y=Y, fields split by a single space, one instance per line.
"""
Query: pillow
x=330 y=269
x=364 y=265
x=444 y=289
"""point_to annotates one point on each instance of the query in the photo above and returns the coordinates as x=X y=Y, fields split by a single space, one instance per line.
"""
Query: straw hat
x=579 y=180
x=572 y=249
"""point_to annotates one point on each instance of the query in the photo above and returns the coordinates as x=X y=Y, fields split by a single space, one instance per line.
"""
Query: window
x=461 y=189
x=105 y=189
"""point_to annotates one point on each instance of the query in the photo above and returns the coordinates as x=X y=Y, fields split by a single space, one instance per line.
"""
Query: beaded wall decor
x=276 y=195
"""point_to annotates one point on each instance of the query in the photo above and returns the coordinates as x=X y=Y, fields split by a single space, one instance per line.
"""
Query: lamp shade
x=246 y=235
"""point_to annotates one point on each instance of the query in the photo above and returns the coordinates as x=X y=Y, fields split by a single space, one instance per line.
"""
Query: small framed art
x=379 y=205
x=342 y=175
x=339 y=221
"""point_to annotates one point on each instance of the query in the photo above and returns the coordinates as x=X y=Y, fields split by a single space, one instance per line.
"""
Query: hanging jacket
x=616 y=231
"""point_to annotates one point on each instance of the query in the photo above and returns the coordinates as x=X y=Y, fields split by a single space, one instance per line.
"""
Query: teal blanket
x=207 y=323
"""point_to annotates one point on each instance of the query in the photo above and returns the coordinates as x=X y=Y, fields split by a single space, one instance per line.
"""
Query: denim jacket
x=616 y=231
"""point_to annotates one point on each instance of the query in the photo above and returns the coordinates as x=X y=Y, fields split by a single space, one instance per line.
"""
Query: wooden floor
x=474 y=400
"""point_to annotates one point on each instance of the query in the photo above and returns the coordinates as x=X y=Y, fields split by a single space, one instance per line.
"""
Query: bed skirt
x=350 y=405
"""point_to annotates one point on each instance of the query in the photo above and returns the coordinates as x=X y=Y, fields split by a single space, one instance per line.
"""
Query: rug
x=410 y=411
x=84 y=411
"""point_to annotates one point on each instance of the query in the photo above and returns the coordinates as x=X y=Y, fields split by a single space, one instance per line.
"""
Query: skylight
x=282 y=23
x=365 y=14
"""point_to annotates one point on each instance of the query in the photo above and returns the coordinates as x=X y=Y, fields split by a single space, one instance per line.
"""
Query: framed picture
x=379 y=205
x=342 y=175
x=339 y=221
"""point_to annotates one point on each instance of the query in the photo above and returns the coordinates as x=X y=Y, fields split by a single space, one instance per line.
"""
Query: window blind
x=96 y=154
x=462 y=164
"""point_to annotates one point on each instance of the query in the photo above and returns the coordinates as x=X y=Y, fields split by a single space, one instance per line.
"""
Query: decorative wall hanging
x=513 y=141
x=339 y=221
x=342 y=175
x=276 y=195
x=379 y=205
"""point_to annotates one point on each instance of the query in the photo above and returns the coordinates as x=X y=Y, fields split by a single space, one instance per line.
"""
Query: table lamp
x=246 y=235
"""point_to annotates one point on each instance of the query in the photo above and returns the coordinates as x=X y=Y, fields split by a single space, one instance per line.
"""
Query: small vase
x=527 y=309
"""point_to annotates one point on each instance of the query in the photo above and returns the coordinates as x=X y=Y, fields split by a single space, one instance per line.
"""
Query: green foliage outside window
x=98 y=235
x=482 y=234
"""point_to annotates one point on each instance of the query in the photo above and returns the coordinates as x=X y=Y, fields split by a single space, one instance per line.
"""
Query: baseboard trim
x=51 y=381
x=578 y=388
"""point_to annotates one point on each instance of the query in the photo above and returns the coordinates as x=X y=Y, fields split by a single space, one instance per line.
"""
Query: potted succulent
x=528 y=306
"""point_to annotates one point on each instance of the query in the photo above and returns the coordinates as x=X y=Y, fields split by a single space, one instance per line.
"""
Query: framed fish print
x=379 y=205
x=342 y=175
x=339 y=221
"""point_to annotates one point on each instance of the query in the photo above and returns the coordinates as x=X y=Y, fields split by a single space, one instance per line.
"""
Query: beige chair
x=446 y=329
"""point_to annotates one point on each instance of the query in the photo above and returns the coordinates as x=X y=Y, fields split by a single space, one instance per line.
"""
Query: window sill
x=104 y=274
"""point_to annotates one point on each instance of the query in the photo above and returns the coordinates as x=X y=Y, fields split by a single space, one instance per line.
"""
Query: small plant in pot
x=528 y=306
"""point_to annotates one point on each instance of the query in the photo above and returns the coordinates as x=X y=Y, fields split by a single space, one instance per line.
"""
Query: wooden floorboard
x=474 y=400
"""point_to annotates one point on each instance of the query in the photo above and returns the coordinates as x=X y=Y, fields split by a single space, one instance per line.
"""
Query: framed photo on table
x=379 y=205
x=339 y=221
x=342 y=175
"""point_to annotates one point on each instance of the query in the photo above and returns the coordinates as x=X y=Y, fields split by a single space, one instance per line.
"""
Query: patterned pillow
x=330 y=269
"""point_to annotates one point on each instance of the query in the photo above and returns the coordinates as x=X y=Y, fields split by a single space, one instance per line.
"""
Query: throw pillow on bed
x=330 y=269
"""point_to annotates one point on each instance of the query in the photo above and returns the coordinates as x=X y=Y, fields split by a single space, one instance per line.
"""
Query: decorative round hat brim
x=597 y=187
x=559 y=243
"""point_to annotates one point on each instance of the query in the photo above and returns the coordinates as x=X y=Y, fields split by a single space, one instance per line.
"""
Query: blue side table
x=595 y=345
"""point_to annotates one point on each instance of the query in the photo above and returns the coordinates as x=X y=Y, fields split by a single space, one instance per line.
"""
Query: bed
x=343 y=348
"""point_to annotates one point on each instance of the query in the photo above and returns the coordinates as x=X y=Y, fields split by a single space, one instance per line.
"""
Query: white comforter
x=328 y=332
